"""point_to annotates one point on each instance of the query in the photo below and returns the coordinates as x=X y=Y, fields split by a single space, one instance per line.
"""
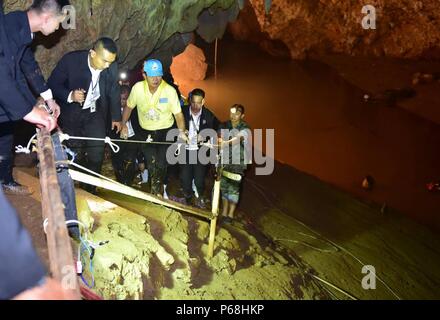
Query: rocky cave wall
x=297 y=28
x=160 y=28
x=292 y=28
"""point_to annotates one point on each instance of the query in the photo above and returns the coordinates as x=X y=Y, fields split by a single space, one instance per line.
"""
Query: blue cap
x=153 y=68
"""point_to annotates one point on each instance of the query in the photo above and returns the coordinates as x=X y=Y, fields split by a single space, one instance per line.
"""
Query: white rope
x=68 y=222
x=308 y=245
x=27 y=150
x=178 y=150
x=70 y=153
x=334 y=287
x=45 y=223
x=113 y=145
x=78 y=223
x=180 y=145
x=115 y=148
x=111 y=142
x=209 y=145
x=259 y=189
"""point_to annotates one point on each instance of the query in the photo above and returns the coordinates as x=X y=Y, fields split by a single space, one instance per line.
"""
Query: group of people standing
x=160 y=110
x=83 y=98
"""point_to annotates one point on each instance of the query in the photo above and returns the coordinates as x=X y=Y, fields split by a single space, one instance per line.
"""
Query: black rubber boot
x=9 y=185
x=5 y=170
x=157 y=176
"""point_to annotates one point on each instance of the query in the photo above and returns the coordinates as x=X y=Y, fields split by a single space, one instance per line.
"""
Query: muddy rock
x=122 y=265
x=140 y=28
x=406 y=29
x=190 y=64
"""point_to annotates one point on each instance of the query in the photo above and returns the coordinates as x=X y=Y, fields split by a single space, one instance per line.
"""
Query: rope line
x=261 y=191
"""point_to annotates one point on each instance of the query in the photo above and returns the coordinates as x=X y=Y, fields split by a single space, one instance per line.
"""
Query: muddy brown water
x=323 y=126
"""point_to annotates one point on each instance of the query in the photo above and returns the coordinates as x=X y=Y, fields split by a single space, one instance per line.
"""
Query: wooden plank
x=215 y=206
x=58 y=241
x=120 y=188
x=212 y=229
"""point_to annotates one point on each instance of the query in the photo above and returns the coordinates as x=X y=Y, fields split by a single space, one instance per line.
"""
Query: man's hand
x=200 y=138
x=54 y=107
x=41 y=118
x=222 y=143
x=183 y=135
x=124 y=132
x=50 y=290
x=40 y=101
x=79 y=96
x=117 y=125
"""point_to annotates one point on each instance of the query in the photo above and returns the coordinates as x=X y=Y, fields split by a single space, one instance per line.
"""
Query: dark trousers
x=155 y=158
x=77 y=122
x=6 y=157
x=124 y=162
x=188 y=172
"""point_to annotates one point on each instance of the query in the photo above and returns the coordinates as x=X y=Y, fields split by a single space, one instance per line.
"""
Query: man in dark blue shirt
x=20 y=267
x=22 y=77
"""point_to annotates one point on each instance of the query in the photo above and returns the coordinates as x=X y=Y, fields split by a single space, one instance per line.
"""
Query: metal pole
x=58 y=241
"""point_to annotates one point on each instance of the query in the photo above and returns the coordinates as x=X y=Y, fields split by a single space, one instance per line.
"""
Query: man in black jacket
x=20 y=267
x=198 y=118
x=18 y=69
x=86 y=86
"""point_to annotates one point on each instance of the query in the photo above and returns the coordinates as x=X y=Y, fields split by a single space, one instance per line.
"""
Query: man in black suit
x=198 y=118
x=19 y=70
x=20 y=267
x=86 y=84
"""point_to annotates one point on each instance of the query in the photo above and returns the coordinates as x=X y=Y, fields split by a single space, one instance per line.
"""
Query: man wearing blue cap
x=158 y=105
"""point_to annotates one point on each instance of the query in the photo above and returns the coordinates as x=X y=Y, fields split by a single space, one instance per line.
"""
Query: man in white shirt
x=198 y=118
x=86 y=83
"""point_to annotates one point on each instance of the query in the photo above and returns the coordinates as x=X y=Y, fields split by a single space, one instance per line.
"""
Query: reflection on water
x=323 y=127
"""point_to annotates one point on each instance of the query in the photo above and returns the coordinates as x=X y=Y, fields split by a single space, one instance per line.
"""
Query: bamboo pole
x=58 y=241
x=215 y=206
x=120 y=188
